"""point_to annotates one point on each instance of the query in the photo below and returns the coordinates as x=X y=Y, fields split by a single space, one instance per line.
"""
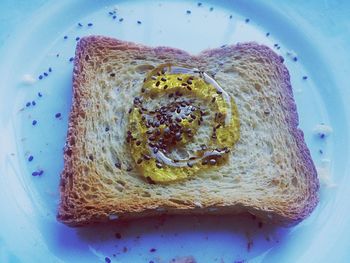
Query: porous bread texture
x=269 y=173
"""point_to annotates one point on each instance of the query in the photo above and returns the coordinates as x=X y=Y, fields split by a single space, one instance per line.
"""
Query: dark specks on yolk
x=154 y=134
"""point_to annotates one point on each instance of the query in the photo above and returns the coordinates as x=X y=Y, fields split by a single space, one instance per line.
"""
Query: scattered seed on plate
x=80 y=24
x=304 y=77
x=40 y=76
x=152 y=250
x=35 y=173
x=90 y=24
x=40 y=94
x=107 y=260
x=139 y=22
x=188 y=11
x=58 y=115
x=71 y=59
x=230 y=16
x=295 y=59
x=114 y=17
x=65 y=37
x=267 y=34
x=30 y=158
x=211 y=9
x=247 y=20
x=199 y=4
x=45 y=74
x=50 y=69
x=77 y=38
x=34 y=122
x=33 y=103
x=28 y=104
x=121 y=19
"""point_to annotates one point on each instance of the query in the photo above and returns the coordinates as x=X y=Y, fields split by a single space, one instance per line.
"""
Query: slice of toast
x=269 y=172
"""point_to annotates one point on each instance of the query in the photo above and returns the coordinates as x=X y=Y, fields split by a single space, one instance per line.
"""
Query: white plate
x=29 y=231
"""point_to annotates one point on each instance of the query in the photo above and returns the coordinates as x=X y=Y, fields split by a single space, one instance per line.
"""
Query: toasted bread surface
x=270 y=172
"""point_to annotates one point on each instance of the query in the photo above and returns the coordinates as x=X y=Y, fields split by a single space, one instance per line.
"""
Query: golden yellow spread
x=182 y=101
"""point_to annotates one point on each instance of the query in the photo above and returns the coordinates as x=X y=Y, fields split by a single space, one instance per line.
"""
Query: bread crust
x=76 y=211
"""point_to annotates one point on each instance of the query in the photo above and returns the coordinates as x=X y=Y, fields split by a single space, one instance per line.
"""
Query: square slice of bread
x=270 y=172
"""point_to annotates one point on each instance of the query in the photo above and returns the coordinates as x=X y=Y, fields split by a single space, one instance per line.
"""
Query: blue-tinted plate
x=35 y=99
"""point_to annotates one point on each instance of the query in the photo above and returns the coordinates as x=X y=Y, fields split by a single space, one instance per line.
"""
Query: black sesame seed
x=139 y=161
x=163 y=79
x=57 y=115
x=211 y=9
x=80 y=24
x=121 y=19
x=178 y=136
x=34 y=122
x=33 y=103
x=219 y=92
x=304 y=77
x=212 y=161
x=178 y=119
x=230 y=16
x=45 y=74
x=30 y=158
x=130 y=110
x=267 y=34
x=189 y=88
x=35 y=173
x=213 y=99
x=70 y=60
x=178 y=78
x=165 y=87
x=112 y=74
x=28 y=104
x=247 y=20
x=77 y=38
x=193 y=116
x=199 y=4
x=188 y=11
x=90 y=24
x=40 y=76
x=106 y=129
x=178 y=110
x=189 y=164
x=65 y=37
x=139 y=22
x=157 y=83
x=146 y=157
x=114 y=17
